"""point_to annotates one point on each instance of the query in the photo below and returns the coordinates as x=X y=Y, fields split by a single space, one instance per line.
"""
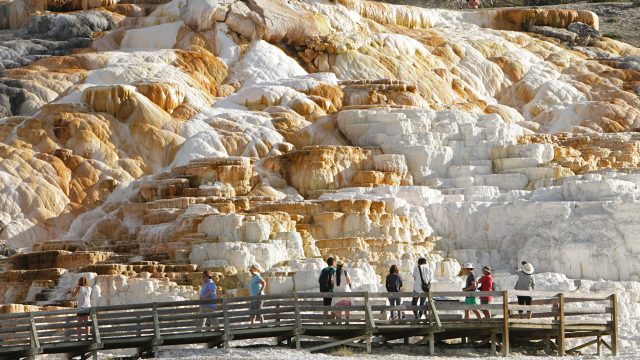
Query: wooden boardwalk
x=299 y=320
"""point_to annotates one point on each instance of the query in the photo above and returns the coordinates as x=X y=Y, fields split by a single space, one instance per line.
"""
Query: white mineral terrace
x=142 y=142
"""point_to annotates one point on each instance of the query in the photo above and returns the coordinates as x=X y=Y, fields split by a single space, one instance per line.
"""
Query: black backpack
x=325 y=281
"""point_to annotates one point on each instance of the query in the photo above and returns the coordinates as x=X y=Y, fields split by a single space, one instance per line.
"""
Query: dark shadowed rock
x=587 y=35
x=67 y=26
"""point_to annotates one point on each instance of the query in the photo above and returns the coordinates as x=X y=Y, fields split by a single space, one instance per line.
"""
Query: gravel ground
x=618 y=20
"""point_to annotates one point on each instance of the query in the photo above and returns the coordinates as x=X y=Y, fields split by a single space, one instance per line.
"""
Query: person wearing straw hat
x=525 y=283
x=256 y=288
x=470 y=285
x=486 y=284
x=208 y=291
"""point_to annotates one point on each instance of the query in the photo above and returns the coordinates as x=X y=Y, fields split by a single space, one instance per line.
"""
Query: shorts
x=485 y=301
x=255 y=305
x=84 y=311
x=524 y=300
x=470 y=301
x=326 y=301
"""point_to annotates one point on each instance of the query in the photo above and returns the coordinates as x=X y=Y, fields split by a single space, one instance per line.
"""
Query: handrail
x=304 y=296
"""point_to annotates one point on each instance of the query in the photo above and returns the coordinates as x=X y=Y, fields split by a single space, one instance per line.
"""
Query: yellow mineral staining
x=207 y=70
x=316 y=169
x=282 y=22
x=522 y=19
x=592 y=152
x=167 y=96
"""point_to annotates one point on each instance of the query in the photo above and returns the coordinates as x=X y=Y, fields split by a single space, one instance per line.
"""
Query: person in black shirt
x=394 y=284
x=326 y=283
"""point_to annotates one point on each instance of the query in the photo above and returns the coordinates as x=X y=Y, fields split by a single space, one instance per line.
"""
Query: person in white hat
x=470 y=285
x=525 y=283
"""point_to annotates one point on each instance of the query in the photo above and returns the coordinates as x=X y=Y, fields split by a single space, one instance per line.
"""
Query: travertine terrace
x=142 y=141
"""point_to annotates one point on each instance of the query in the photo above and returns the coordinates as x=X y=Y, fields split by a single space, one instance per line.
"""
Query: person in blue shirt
x=208 y=292
x=256 y=288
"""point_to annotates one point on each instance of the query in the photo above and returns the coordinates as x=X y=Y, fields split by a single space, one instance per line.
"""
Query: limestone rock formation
x=142 y=142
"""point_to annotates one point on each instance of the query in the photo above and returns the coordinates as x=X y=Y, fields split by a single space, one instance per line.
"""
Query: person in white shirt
x=422 y=276
x=82 y=293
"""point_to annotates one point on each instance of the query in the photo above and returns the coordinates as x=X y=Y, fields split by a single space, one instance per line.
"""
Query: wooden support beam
x=82 y=350
x=599 y=347
x=347 y=342
x=432 y=344
x=493 y=343
x=614 y=325
x=582 y=346
x=561 y=344
x=547 y=345
x=505 y=323
x=215 y=342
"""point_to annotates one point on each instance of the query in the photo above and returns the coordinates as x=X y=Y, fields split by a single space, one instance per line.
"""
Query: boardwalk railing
x=301 y=318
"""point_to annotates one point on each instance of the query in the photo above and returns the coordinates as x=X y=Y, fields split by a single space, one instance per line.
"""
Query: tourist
x=486 y=284
x=421 y=284
x=394 y=284
x=256 y=288
x=82 y=293
x=342 y=283
x=473 y=4
x=208 y=291
x=326 y=281
x=470 y=285
x=525 y=283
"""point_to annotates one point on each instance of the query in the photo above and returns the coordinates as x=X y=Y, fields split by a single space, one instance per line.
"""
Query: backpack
x=325 y=281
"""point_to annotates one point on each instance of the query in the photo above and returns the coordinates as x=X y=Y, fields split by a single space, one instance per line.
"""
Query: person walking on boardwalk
x=342 y=282
x=525 y=283
x=470 y=285
x=326 y=281
x=256 y=288
x=422 y=276
x=208 y=291
x=82 y=293
x=486 y=284
x=394 y=284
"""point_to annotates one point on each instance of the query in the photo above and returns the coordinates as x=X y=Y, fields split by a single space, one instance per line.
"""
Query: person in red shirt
x=486 y=284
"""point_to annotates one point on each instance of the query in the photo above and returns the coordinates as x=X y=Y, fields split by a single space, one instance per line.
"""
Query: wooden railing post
x=94 y=326
x=156 y=330
x=614 y=325
x=370 y=322
x=228 y=335
x=298 y=327
x=430 y=300
x=505 y=323
x=561 y=348
x=33 y=335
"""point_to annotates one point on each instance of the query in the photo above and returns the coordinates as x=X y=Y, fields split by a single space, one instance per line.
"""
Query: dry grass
x=342 y=351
